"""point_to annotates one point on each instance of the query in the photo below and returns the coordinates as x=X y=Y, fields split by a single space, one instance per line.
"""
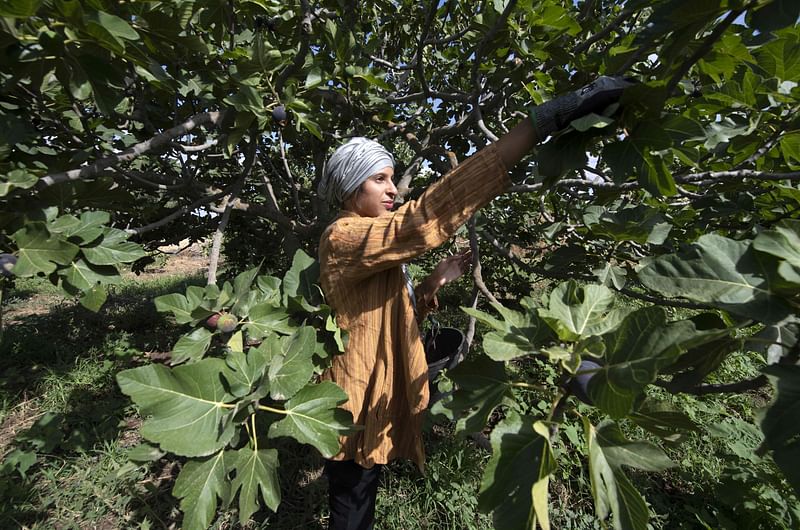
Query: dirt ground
x=179 y=259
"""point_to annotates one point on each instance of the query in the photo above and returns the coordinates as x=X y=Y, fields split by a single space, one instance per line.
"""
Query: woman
x=362 y=253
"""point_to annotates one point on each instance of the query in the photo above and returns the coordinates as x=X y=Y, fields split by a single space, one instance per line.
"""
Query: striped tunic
x=383 y=369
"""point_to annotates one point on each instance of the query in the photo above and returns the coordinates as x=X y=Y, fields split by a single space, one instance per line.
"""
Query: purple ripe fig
x=227 y=323
x=279 y=115
x=579 y=385
x=7 y=262
x=211 y=322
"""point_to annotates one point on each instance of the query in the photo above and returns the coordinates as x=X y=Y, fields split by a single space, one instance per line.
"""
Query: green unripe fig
x=226 y=323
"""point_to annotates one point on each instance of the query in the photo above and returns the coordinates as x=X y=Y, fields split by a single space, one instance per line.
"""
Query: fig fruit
x=280 y=116
x=211 y=322
x=579 y=385
x=7 y=262
x=227 y=323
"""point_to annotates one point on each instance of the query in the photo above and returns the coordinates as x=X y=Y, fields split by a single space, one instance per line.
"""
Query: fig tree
x=226 y=323
x=7 y=262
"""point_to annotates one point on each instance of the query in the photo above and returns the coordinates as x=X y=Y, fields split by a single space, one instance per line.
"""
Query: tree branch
x=447 y=40
x=614 y=24
x=216 y=246
x=292 y=183
x=736 y=174
x=419 y=66
x=195 y=148
x=708 y=43
x=500 y=22
x=477 y=277
x=139 y=149
x=302 y=50
x=174 y=215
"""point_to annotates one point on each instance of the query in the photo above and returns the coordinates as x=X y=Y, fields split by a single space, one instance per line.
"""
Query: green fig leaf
x=256 y=472
x=612 y=491
x=187 y=405
x=518 y=442
x=39 y=251
x=291 y=371
x=481 y=385
x=192 y=346
x=720 y=272
x=577 y=311
x=198 y=486
x=313 y=417
x=781 y=421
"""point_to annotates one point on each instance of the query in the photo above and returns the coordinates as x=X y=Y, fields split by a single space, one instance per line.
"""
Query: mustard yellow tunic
x=383 y=369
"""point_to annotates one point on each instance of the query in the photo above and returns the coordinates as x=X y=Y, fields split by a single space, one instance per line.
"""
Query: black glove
x=556 y=114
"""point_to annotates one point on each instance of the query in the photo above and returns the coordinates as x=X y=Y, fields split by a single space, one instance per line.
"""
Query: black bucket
x=444 y=348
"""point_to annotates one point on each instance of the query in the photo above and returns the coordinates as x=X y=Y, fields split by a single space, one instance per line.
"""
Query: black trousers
x=352 y=491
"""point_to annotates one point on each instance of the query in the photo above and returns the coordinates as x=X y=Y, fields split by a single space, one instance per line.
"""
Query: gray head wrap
x=349 y=166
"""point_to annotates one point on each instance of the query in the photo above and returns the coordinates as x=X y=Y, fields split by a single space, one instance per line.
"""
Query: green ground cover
x=66 y=431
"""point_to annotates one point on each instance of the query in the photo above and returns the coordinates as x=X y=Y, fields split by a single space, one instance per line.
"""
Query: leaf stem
x=528 y=386
x=270 y=409
x=253 y=435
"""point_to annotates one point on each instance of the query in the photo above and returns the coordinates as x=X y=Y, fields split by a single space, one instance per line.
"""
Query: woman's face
x=375 y=196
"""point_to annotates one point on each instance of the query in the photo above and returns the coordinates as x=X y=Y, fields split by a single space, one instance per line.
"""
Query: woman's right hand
x=451 y=268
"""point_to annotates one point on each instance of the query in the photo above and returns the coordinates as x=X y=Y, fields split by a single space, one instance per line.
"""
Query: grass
x=59 y=402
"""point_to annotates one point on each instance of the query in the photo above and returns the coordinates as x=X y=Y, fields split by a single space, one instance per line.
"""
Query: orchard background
x=658 y=240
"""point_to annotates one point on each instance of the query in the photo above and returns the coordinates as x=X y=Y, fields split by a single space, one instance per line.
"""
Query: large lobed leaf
x=192 y=346
x=517 y=335
x=635 y=352
x=481 y=385
x=781 y=421
x=300 y=281
x=783 y=242
x=39 y=251
x=514 y=484
x=187 y=406
x=256 y=472
x=198 y=485
x=579 y=311
x=613 y=492
x=313 y=417
x=266 y=318
x=720 y=272
x=293 y=367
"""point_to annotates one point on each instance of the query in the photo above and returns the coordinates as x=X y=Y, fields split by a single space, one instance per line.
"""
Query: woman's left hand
x=451 y=268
